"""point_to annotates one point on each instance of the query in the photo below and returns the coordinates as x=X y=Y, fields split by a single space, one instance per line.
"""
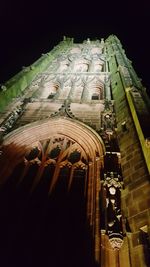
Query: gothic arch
x=58 y=144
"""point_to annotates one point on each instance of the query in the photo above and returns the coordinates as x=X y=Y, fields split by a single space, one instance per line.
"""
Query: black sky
x=30 y=28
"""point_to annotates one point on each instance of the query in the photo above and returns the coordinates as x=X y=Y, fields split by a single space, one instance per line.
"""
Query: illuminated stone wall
x=133 y=146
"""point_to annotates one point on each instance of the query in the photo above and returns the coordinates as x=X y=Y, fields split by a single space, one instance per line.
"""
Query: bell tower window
x=95 y=97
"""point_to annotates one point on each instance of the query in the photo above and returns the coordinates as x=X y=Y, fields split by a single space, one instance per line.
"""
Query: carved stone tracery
x=56 y=146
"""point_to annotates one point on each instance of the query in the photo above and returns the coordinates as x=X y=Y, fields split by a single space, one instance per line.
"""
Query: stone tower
x=75 y=160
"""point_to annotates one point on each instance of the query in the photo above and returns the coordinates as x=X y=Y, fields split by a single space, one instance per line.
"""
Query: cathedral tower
x=75 y=160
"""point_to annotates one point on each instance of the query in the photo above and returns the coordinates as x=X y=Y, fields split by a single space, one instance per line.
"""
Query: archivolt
x=24 y=138
x=58 y=143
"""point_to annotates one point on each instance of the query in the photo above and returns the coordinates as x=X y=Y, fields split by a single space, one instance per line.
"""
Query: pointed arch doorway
x=50 y=182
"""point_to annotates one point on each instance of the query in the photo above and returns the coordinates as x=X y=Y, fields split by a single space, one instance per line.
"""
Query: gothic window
x=95 y=97
x=96 y=92
x=98 y=68
x=53 y=88
x=47 y=89
x=51 y=96
x=81 y=65
x=51 y=180
x=98 y=65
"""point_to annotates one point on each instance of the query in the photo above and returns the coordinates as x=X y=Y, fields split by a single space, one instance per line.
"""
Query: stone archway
x=58 y=160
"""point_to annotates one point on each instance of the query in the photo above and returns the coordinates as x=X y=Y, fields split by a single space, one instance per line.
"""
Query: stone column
x=97 y=213
x=107 y=91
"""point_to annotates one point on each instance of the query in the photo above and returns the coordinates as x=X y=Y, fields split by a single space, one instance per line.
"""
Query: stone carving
x=148 y=142
x=32 y=155
x=10 y=121
x=58 y=152
x=116 y=242
x=112 y=185
x=112 y=180
x=108 y=124
x=3 y=88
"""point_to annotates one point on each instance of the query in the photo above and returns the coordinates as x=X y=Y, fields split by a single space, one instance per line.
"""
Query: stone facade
x=74 y=129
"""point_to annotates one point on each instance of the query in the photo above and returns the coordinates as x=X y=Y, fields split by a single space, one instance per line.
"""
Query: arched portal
x=50 y=179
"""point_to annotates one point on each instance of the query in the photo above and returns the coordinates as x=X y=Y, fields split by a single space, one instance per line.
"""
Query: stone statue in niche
x=112 y=185
x=108 y=105
x=107 y=121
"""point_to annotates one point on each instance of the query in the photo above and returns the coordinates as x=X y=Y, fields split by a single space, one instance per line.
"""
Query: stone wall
x=136 y=195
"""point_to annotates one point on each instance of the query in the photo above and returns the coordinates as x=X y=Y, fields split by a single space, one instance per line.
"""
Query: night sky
x=30 y=28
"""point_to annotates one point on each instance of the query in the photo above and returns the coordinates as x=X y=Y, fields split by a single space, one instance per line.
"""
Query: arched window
x=95 y=96
x=96 y=91
x=50 y=172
